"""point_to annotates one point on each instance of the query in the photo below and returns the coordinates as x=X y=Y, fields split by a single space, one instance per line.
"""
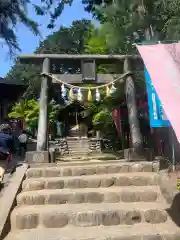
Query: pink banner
x=163 y=64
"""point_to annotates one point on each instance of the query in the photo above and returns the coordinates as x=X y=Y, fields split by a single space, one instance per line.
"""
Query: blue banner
x=157 y=115
x=58 y=128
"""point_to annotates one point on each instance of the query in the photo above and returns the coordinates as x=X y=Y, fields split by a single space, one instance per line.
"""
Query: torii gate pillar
x=42 y=137
x=41 y=155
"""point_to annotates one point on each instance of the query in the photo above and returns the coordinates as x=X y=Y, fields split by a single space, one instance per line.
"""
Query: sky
x=28 y=42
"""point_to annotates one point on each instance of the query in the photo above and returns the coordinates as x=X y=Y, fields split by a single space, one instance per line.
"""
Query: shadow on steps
x=174 y=211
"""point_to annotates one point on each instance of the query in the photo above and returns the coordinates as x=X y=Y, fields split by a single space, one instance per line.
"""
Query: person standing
x=22 y=142
x=6 y=149
x=15 y=133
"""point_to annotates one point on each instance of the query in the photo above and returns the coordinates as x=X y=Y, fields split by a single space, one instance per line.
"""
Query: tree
x=102 y=121
x=33 y=116
x=95 y=7
x=67 y=40
x=11 y=13
x=54 y=110
x=28 y=74
x=22 y=110
x=137 y=20
x=96 y=41
x=28 y=112
x=159 y=16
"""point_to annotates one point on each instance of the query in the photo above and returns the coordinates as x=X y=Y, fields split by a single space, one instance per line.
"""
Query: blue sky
x=28 y=42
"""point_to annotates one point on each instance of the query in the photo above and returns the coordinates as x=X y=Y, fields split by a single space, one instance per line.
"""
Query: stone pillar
x=98 y=135
x=130 y=92
x=42 y=136
x=41 y=155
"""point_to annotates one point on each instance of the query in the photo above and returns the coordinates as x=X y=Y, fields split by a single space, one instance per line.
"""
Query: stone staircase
x=105 y=200
x=78 y=145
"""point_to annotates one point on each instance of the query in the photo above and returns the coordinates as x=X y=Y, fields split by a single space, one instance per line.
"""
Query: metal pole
x=173 y=151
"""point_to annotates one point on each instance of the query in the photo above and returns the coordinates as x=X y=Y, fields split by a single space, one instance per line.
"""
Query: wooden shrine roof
x=10 y=90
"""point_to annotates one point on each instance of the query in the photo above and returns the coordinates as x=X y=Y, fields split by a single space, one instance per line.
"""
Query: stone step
x=78 y=143
x=78 y=152
x=92 y=181
x=87 y=215
x=85 y=161
x=79 y=162
x=77 y=140
x=89 y=170
x=90 y=195
x=162 y=231
x=78 y=148
x=99 y=160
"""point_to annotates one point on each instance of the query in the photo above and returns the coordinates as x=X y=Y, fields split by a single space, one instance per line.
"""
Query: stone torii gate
x=86 y=75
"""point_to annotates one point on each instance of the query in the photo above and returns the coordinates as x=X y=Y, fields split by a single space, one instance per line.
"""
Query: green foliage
x=52 y=7
x=23 y=110
x=67 y=40
x=101 y=111
x=96 y=42
x=26 y=74
x=134 y=20
x=33 y=116
x=95 y=7
x=54 y=110
x=13 y=12
x=28 y=111
x=103 y=122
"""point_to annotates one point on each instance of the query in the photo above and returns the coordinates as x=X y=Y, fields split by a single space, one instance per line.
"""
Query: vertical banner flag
x=117 y=120
x=163 y=64
x=156 y=112
x=58 y=128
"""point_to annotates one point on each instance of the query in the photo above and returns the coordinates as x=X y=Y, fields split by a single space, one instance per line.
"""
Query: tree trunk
x=24 y=125
x=132 y=111
x=42 y=136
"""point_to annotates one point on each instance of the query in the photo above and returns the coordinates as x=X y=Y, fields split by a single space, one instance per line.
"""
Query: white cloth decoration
x=113 y=89
x=63 y=91
x=79 y=97
x=98 y=97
